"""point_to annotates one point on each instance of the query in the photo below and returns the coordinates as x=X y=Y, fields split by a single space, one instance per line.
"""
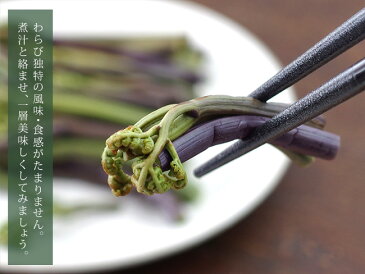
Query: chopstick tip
x=217 y=161
x=202 y=170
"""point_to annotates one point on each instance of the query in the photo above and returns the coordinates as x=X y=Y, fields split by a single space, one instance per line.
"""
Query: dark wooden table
x=314 y=222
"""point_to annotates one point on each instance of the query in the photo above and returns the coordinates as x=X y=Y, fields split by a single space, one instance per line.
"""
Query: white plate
x=236 y=63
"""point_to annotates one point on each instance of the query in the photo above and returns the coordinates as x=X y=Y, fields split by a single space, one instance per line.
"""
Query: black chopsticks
x=344 y=37
x=342 y=87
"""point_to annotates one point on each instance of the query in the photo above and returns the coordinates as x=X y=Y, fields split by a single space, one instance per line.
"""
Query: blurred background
x=314 y=220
